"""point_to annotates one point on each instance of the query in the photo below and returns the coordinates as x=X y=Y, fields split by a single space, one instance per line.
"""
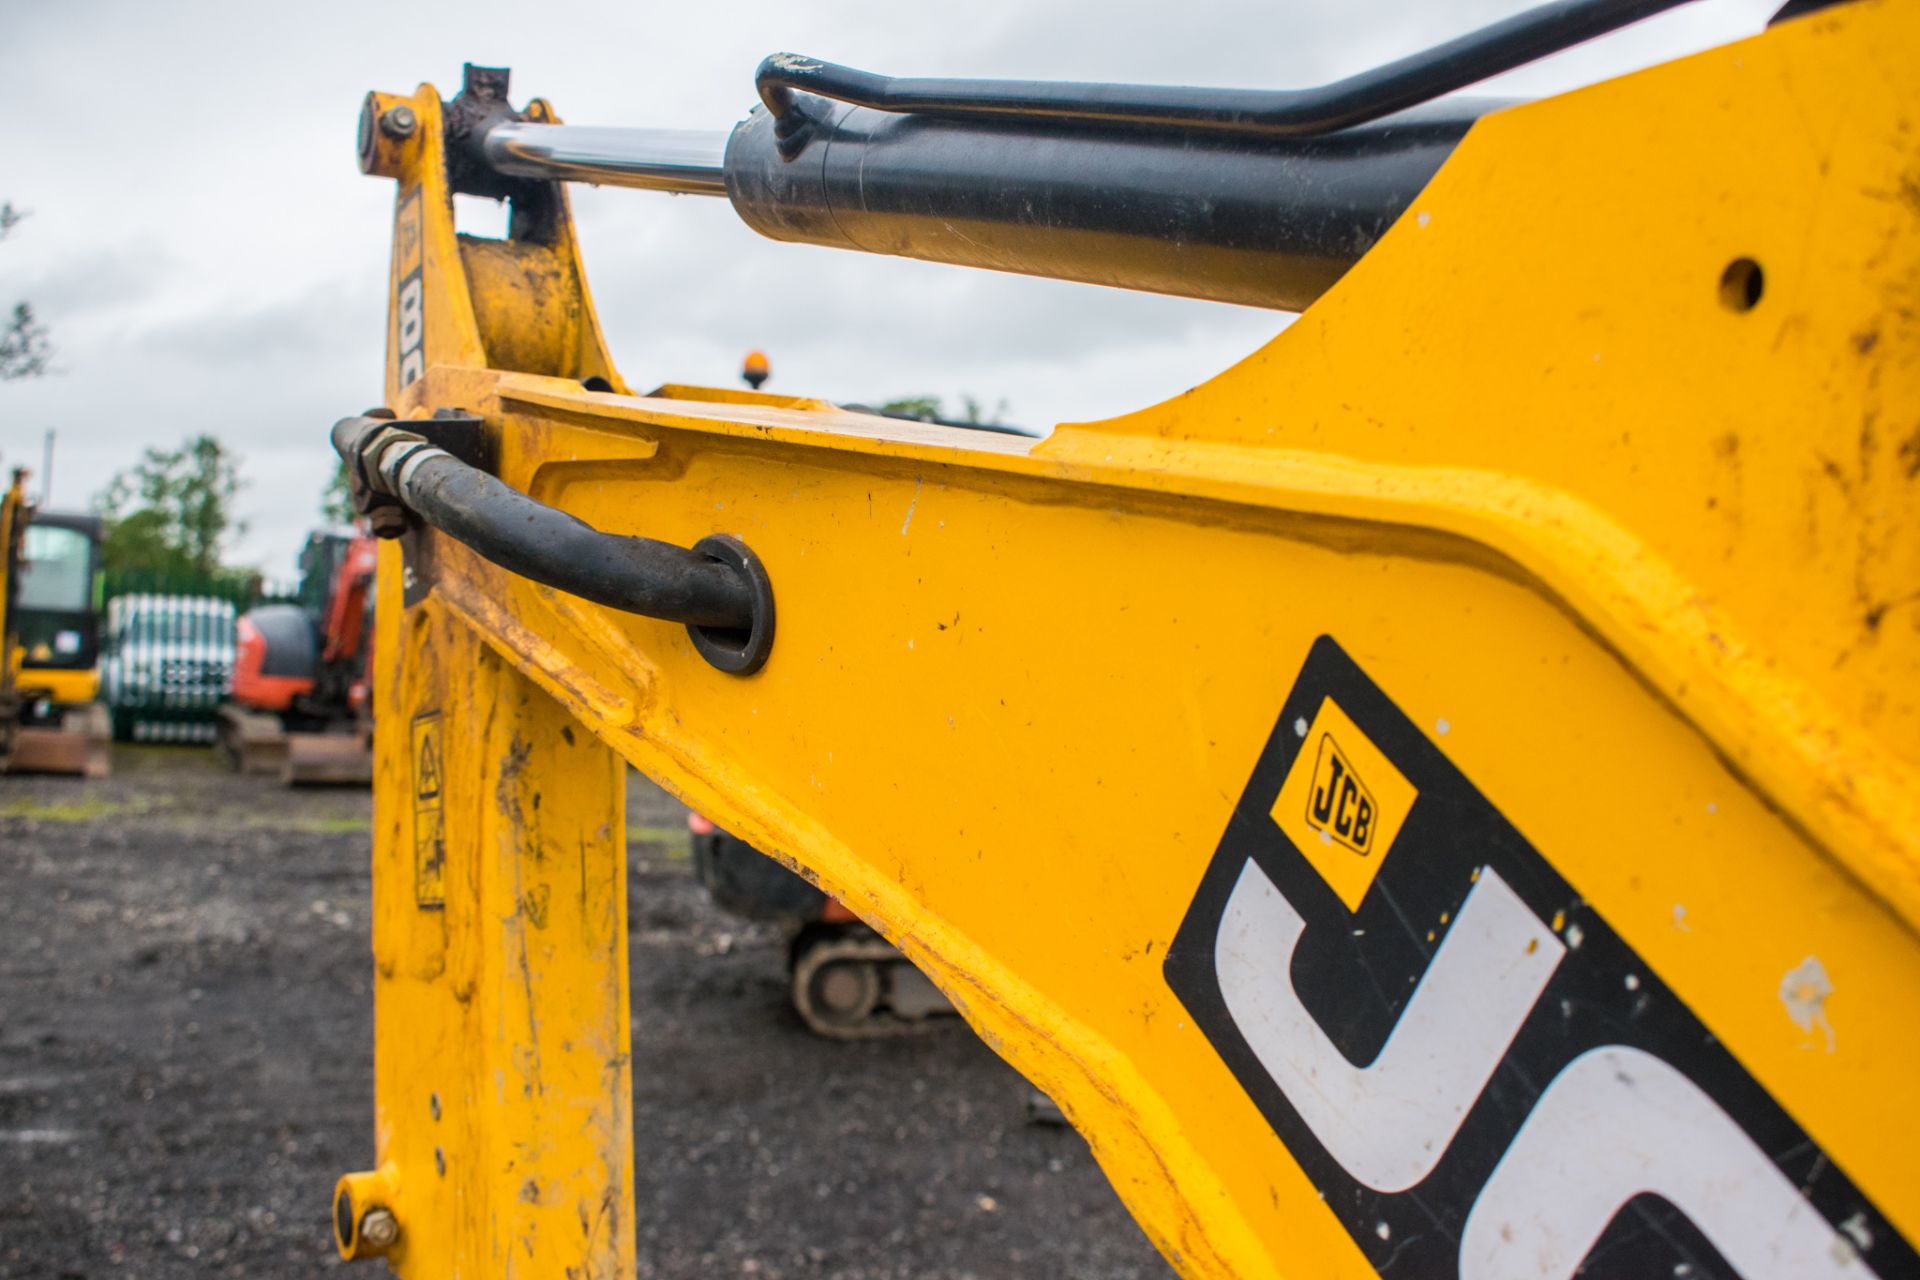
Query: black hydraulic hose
x=1381 y=91
x=639 y=575
x=716 y=588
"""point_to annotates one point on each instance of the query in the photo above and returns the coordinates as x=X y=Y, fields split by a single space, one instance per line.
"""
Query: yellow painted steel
x=13 y=523
x=65 y=688
x=1627 y=530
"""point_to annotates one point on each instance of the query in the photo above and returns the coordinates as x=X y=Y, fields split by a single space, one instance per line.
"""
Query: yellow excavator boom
x=1437 y=799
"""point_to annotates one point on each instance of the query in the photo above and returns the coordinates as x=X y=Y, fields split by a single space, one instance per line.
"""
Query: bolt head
x=399 y=122
x=379 y=1228
x=387 y=521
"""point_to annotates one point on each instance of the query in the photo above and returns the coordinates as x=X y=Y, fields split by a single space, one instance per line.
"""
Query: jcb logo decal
x=1341 y=805
x=1343 y=801
x=1482 y=1079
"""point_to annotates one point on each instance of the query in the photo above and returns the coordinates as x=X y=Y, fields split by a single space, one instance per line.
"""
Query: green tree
x=977 y=413
x=170 y=512
x=336 y=502
x=924 y=407
x=928 y=409
x=24 y=349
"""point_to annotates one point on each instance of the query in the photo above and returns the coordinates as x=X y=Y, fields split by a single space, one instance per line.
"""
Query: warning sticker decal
x=1482 y=1078
x=429 y=813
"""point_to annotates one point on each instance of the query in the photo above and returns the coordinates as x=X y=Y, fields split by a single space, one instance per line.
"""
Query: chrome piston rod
x=685 y=161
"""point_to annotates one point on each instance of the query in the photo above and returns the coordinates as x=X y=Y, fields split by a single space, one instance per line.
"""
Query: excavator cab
x=52 y=582
x=56 y=614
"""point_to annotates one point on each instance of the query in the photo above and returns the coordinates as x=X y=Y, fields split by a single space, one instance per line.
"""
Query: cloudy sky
x=209 y=257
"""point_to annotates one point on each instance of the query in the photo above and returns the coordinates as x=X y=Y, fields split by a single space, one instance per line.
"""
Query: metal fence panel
x=167 y=664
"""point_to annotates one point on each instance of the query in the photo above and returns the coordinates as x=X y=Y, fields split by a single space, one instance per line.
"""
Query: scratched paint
x=1804 y=991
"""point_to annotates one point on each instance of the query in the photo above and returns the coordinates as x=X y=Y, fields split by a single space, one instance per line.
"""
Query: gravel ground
x=185 y=1048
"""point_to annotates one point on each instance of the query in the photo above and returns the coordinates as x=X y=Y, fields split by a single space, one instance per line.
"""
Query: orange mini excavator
x=299 y=706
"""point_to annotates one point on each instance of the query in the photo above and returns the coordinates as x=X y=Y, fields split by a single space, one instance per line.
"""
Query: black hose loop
x=717 y=588
x=1296 y=113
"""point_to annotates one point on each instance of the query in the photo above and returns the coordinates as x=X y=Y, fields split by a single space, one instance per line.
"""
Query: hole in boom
x=1741 y=285
x=480 y=217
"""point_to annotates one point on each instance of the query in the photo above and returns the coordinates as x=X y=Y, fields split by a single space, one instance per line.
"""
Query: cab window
x=54 y=570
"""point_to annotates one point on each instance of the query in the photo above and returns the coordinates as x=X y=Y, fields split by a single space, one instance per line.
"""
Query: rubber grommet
x=735 y=651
